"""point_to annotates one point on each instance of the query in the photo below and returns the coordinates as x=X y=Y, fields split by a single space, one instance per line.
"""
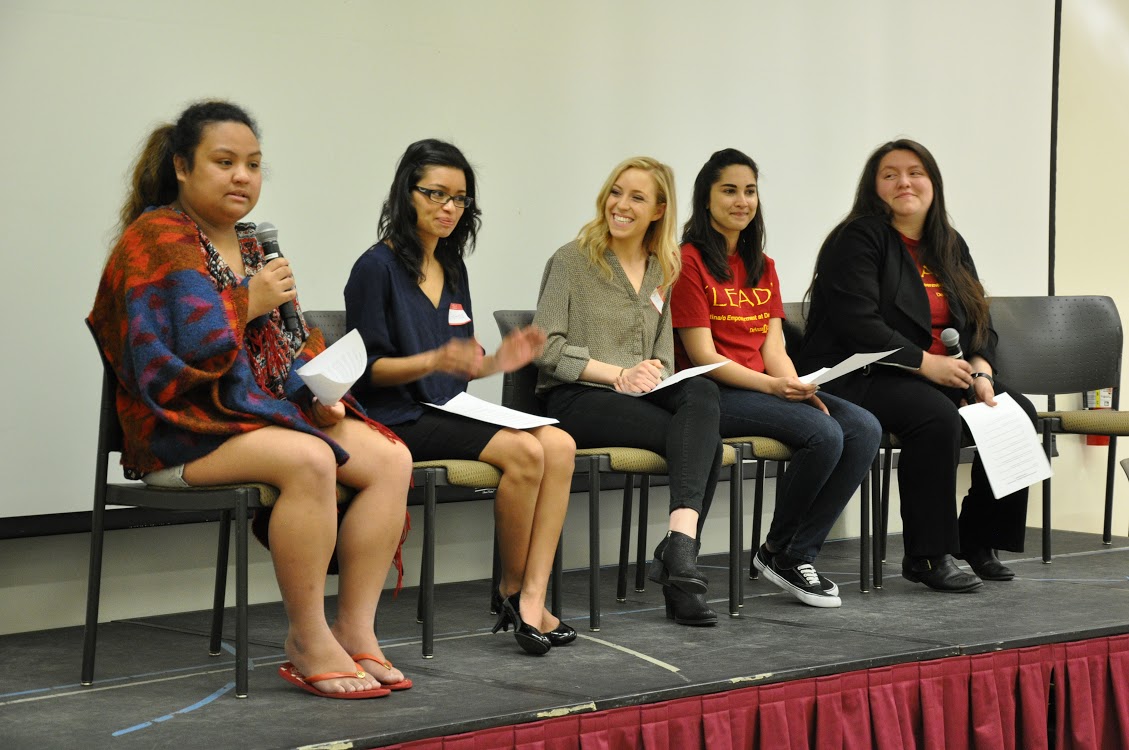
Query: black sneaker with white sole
x=763 y=559
x=802 y=582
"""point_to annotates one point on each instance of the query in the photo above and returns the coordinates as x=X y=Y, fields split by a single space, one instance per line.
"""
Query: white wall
x=544 y=98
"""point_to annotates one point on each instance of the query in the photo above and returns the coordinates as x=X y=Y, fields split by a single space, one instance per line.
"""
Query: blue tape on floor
x=198 y=704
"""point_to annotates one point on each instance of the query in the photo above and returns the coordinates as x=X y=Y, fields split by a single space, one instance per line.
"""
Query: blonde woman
x=604 y=305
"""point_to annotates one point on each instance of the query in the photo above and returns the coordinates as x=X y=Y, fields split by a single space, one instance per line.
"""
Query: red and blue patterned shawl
x=192 y=370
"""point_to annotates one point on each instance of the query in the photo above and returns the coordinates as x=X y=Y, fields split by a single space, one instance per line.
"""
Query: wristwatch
x=984 y=375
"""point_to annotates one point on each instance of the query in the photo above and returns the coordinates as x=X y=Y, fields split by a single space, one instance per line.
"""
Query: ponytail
x=153 y=182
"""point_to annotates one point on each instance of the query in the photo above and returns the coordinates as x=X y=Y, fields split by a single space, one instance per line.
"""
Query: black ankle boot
x=688 y=609
x=528 y=637
x=675 y=564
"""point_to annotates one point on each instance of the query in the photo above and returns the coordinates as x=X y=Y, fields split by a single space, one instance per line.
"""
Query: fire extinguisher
x=1099 y=399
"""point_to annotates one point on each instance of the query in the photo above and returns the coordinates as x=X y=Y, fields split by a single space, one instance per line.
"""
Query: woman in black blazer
x=894 y=274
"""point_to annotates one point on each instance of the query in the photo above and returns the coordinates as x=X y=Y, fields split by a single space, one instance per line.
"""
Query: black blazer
x=868 y=297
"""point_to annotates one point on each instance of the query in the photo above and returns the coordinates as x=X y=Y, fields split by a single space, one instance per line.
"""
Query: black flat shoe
x=561 y=635
x=986 y=565
x=688 y=609
x=531 y=640
x=939 y=573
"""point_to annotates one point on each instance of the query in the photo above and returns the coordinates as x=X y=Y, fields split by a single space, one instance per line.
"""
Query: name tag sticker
x=456 y=316
x=657 y=300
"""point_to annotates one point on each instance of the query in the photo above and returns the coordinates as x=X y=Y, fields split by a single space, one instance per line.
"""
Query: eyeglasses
x=438 y=196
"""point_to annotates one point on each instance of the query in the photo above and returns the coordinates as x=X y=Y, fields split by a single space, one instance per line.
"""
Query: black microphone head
x=949 y=336
x=266 y=232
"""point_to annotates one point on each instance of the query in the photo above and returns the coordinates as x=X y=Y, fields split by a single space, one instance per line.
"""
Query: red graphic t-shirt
x=736 y=312
x=939 y=313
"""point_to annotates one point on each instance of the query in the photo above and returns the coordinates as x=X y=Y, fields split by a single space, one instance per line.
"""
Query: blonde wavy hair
x=659 y=240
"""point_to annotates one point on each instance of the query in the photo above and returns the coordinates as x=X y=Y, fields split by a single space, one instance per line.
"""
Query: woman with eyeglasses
x=409 y=296
x=605 y=308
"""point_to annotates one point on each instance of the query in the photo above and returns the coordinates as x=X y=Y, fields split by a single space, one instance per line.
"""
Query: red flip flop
x=291 y=674
x=403 y=684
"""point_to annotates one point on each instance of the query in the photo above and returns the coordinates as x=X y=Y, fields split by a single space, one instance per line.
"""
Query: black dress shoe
x=531 y=640
x=939 y=573
x=562 y=635
x=688 y=609
x=986 y=565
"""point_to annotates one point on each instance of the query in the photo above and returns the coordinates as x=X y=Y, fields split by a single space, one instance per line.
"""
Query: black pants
x=925 y=419
x=679 y=423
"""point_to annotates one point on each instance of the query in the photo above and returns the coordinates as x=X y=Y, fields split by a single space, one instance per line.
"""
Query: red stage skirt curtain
x=1072 y=696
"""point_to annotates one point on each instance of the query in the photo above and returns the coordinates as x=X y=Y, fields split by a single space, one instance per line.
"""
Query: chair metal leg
x=242 y=642
x=558 y=579
x=624 y=539
x=758 y=509
x=1047 y=495
x=877 y=535
x=219 y=598
x=496 y=572
x=427 y=574
x=94 y=576
x=887 y=464
x=736 y=521
x=1110 y=473
x=641 y=539
x=864 y=533
x=864 y=541
x=593 y=543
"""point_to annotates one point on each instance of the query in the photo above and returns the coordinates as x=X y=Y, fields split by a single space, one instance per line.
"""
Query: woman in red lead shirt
x=893 y=275
x=727 y=305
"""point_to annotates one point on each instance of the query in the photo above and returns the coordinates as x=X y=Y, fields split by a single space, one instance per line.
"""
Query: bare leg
x=685 y=521
x=303 y=530
x=524 y=525
x=380 y=470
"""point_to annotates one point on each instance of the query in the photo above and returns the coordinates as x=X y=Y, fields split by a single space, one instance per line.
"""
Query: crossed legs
x=529 y=511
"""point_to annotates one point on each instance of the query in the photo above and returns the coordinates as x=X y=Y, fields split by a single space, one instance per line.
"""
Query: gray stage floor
x=157 y=687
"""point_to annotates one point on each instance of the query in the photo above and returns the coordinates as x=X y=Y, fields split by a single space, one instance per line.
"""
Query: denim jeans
x=831 y=455
x=679 y=423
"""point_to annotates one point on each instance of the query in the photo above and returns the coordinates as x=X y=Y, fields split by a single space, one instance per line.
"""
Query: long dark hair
x=940 y=244
x=153 y=182
x=398 y=217
x=710 y=242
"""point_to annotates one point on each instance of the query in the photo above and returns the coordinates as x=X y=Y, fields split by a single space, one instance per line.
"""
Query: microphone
x=951 y=339
x=267 y=234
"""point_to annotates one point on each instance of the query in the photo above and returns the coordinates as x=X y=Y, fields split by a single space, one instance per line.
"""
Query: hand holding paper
x=1007 y=444
x=681 y=375
x=332 y=373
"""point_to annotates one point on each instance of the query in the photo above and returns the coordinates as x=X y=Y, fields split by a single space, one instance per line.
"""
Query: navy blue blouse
x=396 y=319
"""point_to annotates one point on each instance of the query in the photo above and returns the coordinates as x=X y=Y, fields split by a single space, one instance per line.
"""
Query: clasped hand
x=642 y=378
x=270 y=287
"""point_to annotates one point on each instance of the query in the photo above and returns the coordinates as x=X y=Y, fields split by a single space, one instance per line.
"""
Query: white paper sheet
x=1008 y=445
x=850 y=364
x=467 y=405
x=681 y=375
x=332 y=373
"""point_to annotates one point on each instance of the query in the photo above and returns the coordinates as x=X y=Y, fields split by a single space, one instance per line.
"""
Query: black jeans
x=925 y=419
x=679 y=423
